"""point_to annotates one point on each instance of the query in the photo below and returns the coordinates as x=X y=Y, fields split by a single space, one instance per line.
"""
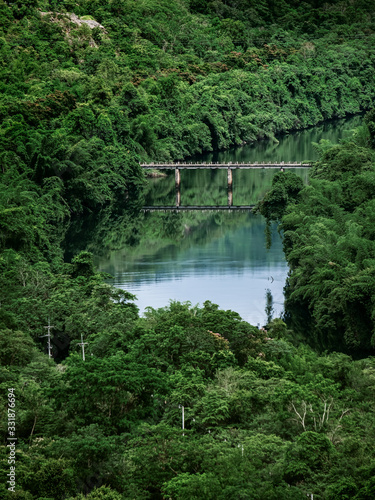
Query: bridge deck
x=173 y=166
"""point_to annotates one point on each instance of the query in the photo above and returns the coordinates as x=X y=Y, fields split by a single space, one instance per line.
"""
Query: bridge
x=177 y=166
x=230 y=165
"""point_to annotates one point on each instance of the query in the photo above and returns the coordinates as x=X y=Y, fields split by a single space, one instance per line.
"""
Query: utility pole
x=183 y=419
x=82 y=344
x=49 y=338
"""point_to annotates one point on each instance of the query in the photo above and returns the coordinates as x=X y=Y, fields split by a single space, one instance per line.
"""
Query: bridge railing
x=229 y=165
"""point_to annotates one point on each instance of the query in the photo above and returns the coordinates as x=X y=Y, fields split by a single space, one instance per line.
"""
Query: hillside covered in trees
x=89 y=89
x=328 y=241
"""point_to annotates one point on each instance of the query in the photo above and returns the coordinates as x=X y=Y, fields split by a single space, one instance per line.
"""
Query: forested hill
x=90 y=88
x=166 y=79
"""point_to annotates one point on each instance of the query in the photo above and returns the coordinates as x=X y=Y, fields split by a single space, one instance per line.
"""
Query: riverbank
x=179 y=255
x=154 y=174
x=101 y=400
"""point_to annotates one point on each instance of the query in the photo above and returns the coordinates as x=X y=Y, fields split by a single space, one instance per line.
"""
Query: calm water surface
x=208 y=256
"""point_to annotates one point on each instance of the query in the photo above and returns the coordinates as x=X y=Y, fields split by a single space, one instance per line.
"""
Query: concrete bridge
x=212 y=166
x=230 y=165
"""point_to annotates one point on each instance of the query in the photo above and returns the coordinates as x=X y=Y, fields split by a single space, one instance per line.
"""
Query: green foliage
x=283 y=423
x=50 y=479
x=101 y=493
x=329 y=248
x=370 y=124
x=16 y=348
x=186 y=486
x=285 y=189
x=80 y=107
x=83 y=265
x=310 y=452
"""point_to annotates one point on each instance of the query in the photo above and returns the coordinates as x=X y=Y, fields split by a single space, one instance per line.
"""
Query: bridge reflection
x=177 y=167
x=196 y=207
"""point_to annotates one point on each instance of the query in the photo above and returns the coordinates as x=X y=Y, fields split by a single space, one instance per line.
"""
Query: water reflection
x=200 y=256
x=226 y=263
x=269 y=310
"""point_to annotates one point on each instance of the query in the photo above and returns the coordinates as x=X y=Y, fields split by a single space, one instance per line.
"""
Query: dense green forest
x=328 y=239
x=88 y=90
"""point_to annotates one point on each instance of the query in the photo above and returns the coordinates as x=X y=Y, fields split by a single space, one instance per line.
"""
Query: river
x=221 y=257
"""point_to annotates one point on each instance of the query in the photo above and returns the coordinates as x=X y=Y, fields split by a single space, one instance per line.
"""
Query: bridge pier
x=230 y=185
x=177 y=177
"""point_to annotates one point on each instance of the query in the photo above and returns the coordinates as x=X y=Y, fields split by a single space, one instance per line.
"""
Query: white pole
x=183 y=420
x=83 y=348
x=82 y=344
x=49 y=347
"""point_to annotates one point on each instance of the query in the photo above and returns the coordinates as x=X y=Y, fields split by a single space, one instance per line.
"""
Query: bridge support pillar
x=230 y=190
x=178 y=186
